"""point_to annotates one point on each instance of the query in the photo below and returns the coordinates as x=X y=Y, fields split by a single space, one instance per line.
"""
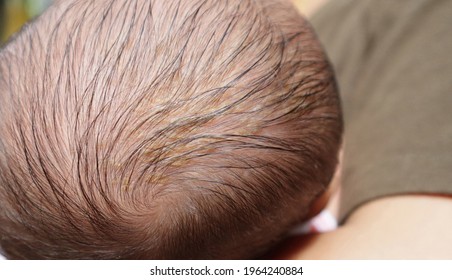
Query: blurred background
x=14 y=13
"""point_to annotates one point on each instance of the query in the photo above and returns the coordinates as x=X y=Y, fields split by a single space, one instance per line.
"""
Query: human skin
x=412 y=226
x=120 y=81
x=398 y=227
x=309 y=7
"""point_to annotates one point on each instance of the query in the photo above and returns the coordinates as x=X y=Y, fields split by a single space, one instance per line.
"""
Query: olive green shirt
x=393 y=60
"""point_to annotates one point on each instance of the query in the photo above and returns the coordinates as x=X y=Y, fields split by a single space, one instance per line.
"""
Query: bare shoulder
x=399 y=227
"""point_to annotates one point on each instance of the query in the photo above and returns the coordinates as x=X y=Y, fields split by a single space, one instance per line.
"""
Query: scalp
x=162 y=129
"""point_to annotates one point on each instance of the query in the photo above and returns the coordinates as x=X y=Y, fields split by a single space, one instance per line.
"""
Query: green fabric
x=394 y=67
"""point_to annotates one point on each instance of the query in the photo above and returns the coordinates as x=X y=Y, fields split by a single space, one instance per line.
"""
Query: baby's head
x=162 y=129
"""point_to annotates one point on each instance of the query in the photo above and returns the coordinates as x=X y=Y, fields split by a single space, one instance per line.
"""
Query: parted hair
x=163 y=129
